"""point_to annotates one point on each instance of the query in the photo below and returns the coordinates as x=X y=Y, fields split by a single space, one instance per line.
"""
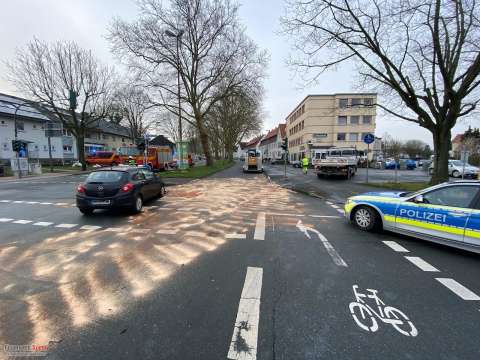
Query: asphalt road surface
x=228 y=267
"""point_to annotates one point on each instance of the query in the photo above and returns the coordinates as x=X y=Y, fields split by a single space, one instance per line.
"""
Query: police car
x=448 y=213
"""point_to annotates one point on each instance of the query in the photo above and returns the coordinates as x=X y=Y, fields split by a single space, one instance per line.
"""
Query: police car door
x=441 y=213
x=472 y=230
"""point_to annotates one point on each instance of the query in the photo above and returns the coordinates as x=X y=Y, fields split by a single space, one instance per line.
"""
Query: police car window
x=456 y=196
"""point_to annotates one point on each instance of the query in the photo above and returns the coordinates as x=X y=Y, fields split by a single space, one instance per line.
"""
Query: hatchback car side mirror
x=419 y=199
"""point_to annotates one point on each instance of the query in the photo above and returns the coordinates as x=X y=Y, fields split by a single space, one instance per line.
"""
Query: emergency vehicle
x=448 y=213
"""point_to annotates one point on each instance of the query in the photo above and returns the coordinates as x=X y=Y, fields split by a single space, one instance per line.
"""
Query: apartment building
x=31 y=125
x=325 y=121
x=271 y=144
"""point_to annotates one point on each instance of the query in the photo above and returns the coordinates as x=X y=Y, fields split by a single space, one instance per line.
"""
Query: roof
x=26 y=109
x=161 y=140
x=111 y=128
x=283 y=130
x=253 y=142
x=272 y=133
x=458 y=138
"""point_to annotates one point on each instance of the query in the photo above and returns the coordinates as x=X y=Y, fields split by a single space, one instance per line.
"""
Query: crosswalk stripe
x=90 y=227
x=260 y=227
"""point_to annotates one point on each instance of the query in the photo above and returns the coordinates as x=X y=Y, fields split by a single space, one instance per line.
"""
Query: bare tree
x=233 y=118
x=133 y=104
x=69 y=81
x=414 y=148
x=212 y=49
x=423 y=53
x=168 y=123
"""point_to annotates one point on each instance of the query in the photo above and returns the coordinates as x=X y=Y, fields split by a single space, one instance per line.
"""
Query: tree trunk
x=204 y=141
x=441 y=144
x=80 y=140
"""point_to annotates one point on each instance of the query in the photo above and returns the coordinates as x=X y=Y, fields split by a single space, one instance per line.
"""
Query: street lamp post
x=178 y=37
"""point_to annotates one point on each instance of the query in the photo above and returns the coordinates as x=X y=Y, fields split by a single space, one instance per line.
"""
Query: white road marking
x=337 y=259
x=458 y=289
x=66 y=226
x=42 y=223
x=167 y=231
x=18 y=202
x=22 y=222
x=422 y=264
x=395 y=246
x=117 y=229
x=280 y=214
x=5 y=219
x=236 y=236
x=46 y=203
x=341 y=211
x=260 y=227
x=245 y=333
x=329 y=203
x=61 y=204
x=335 y=206
x=90 y=227
x=5 y=201
x=32 y=202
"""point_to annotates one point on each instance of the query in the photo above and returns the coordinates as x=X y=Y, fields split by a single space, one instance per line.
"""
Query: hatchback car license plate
x=100 y=202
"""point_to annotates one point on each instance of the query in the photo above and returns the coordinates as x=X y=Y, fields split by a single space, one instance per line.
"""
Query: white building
x=31 y=125
x=271 y=144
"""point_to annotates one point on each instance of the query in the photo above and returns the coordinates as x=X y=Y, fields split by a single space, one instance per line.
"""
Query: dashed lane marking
x=5 y=219
x=245 y=333
x=260 y=227
x=42 y=223
x=90 y=227
x=421 y=264
x=66 y=226
x=395 y=246
x=22 y=221
x=458 y=289
x=236 y=236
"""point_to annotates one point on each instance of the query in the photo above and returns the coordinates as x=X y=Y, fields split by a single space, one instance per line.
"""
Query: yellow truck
x=253 y=161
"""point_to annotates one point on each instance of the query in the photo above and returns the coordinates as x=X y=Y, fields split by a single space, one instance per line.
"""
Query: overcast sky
x=86 y=21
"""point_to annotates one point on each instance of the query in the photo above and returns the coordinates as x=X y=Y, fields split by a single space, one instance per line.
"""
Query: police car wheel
x=365 y=218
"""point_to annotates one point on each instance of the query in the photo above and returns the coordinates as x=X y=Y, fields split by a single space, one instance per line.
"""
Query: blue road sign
x=368 y=138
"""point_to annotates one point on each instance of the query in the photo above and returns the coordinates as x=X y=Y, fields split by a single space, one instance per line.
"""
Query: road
x=231 y=266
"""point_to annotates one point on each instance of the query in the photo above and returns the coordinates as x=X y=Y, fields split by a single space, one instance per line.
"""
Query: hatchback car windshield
x=457 y=163
x=105 y=176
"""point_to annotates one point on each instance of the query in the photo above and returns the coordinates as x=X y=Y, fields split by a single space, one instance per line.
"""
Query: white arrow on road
x=337 y=259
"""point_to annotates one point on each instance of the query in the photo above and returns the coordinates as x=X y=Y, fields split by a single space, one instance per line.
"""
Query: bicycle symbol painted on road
x=364 y=315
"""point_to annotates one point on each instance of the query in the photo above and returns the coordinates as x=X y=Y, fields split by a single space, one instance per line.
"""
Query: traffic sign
x=368 y=138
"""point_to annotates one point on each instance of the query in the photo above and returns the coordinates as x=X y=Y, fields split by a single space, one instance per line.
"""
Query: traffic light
x=16 y=145
x=285 y=144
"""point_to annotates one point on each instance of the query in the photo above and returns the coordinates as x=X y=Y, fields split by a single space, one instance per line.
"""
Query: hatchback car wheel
x=456 y=173
x=138 y=204
x=365 y=218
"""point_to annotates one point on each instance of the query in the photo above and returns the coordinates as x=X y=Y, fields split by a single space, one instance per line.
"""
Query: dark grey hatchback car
x=118 y=187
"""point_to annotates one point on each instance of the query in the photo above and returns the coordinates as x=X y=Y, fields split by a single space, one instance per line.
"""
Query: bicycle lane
x=308 y=301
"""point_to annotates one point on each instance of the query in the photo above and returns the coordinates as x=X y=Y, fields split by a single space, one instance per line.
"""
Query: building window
x=356 y=102
x=88 y=135
x=353 y=137
x=113 y=138
x=342 y=120
x=368 y=101
x=45 y=148
x=67 y=148
x=367 y=119
x=104 y=136
x=34 y=126
x=341 y=137
x=3 y=122
x=354 y=120
x=20 y=126
x=123 y=139
x=343 y=103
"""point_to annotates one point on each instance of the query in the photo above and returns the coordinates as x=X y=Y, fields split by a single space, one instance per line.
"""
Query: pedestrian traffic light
x=285 y=144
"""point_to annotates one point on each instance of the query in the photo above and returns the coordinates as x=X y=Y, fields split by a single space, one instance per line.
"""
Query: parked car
x=410 y=164
x=446 y=213
x=390 y=164
x=296 y=164
x=118 y=187
x=456 y=167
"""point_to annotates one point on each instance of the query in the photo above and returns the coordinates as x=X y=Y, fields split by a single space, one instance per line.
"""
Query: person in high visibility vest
x=131 y=161
x=305 y=164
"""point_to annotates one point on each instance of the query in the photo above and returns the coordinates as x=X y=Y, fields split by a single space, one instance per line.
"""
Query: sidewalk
x=334 y=190
x=6 y=179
